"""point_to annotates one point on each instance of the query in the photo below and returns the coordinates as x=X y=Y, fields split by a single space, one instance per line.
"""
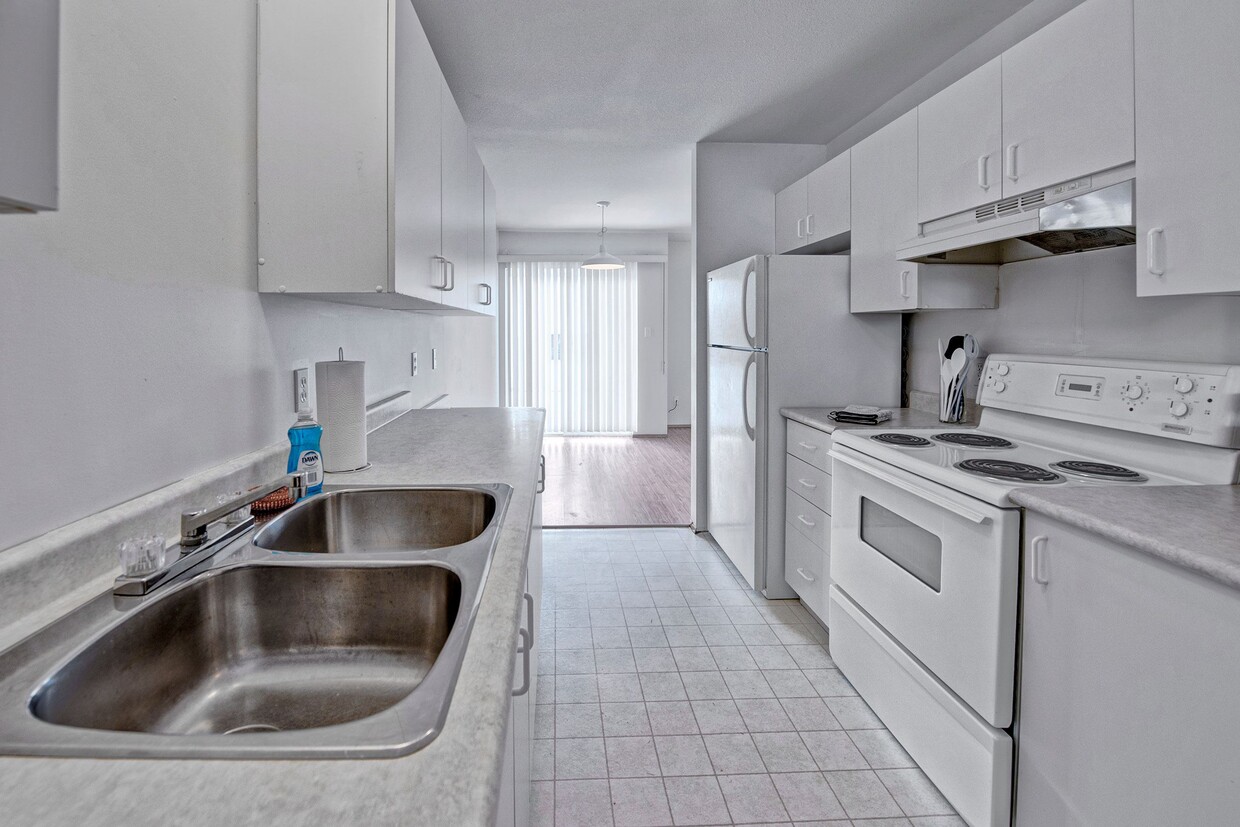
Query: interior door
x=1068 y=98
x=735 y=380
x=736 y=304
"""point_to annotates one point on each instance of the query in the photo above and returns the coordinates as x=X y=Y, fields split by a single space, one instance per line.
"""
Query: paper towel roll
x=340 y=388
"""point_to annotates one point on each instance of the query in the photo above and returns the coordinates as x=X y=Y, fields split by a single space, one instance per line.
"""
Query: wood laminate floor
x=617 y=480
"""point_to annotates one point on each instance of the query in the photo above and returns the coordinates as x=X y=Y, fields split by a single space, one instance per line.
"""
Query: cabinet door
x=1068 y=98
x=29 y=98
x=323 y=151
x=1128 y=679
x=791 y=206
x=458 y=200
x=1188 y=117
x=486 y=291
x=477 y=233
x=828 y=196
x=884 y=207
x=418 y=213
x=960 y=145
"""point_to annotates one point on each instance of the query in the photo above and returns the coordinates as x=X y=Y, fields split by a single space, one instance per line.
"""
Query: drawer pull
x=809 y=523
x=811 y=486
x=811 y=578
x=807 y=446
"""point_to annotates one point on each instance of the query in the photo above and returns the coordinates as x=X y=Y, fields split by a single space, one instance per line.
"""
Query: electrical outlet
x=301 y=389
x=413 y=363
x=434 y=358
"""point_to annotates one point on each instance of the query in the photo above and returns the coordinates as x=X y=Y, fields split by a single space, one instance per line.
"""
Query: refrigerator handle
x=749 y=429
x=750 y=269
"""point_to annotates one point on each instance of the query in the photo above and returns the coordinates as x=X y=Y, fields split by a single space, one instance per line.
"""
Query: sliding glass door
x=569 y=340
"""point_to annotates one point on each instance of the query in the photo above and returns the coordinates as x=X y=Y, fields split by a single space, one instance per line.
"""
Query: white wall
x=1085 y=305
x=679 y=330
x=734 y=188
x=134 y=349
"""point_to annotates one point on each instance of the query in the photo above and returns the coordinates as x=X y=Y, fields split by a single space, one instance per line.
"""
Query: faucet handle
x=192 y=535
x=297 y=484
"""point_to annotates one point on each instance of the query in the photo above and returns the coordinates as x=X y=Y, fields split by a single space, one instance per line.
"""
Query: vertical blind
x=570 y=344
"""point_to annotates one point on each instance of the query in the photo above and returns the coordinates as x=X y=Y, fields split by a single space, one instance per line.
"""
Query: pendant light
x=603 y=260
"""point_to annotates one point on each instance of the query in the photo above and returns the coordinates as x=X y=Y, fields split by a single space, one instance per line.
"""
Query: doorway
x=589 y=347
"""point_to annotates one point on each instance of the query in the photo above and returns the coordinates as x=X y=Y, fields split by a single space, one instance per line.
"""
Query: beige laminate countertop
x=453 y=781
x=900 y=418
x=1196 y=527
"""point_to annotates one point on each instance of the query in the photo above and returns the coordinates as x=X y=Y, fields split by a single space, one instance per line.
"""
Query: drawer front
x=807 y=570
x=812 y=522
x=809 y=444
x=812 y=483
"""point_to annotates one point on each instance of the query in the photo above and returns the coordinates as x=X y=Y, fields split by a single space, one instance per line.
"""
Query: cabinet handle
x=807 y=446
x=1010 y=162
x=806 y=522
x=904 y=284
x=487 y=288
x=800 y=228
x=809 y=225
x=524 y=649
x=811 y=578
x=443 y=273
x=529 y=612
x=807 y=484
x=542 y=474
x=452 y=273
x=1037 y=565
x=1155 y=255
x=983 y=172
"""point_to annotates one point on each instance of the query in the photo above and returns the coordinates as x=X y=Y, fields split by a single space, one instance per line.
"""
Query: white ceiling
x=573 y=102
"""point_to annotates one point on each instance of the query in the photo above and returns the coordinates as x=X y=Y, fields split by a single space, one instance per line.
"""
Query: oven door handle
x=955 y=508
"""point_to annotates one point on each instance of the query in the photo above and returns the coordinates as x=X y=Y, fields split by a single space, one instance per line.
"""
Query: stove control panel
x=1191 y=402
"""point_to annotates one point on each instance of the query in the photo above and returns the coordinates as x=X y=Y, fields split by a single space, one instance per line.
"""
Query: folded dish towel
x=860 y=415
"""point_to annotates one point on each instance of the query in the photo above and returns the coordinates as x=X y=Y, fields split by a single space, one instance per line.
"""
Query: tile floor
x=672 y=694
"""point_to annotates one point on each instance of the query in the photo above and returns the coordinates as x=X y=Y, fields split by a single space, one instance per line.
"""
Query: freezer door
x=737 y=387
x=736 y=304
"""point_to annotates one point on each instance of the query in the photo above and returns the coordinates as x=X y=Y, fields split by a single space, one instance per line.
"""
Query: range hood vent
x=1086 y=214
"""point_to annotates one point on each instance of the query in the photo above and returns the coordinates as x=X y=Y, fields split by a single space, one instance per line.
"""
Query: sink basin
x=260 y=648
x=367 y=520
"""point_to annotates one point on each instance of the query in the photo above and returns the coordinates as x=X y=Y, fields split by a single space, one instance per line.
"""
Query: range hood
x=1086 y=214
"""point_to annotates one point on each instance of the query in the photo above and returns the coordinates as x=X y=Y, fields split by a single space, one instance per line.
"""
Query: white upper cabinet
x=369 y=189
x=791 y=207
x=884 y=216
x=829 y=196
x=1188 y=117
x=29 y=84
x=960 y=145
x=485 y=291
x=1068 y=98
x=814 y=212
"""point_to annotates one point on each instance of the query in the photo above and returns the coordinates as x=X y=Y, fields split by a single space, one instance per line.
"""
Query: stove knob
x=1179 y=409
x=1000 y=386
x=1131 y=391
x=1003 y=370
x=1183 y=384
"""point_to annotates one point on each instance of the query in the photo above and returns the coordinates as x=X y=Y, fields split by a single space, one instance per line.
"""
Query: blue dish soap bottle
x=304 y=451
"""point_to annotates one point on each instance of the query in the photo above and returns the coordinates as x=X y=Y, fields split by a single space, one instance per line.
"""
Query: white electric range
x=926 y=544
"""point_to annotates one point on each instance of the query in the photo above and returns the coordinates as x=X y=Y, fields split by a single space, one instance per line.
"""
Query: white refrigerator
x=780 y=335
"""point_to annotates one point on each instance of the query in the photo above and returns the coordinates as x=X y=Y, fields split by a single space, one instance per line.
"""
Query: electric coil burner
x=902 y=440
x=1099 y=470
x=966 y=439
x=1006 y=470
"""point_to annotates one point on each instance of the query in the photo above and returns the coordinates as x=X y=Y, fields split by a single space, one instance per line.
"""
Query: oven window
x=909 y=546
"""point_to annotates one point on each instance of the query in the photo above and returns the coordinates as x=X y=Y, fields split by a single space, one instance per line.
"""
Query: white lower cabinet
x=515 y=790
x=1129 y=671
x=807 y=505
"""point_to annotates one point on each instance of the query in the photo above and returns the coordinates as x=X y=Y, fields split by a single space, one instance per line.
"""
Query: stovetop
x=955 y=457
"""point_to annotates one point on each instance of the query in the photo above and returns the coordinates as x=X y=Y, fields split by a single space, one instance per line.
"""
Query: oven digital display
x=1079 y=387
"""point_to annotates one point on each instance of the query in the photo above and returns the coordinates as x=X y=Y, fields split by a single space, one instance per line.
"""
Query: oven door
x=938 y=570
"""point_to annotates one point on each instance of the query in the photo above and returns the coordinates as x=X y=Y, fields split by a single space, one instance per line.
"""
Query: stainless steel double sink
x=337 y=630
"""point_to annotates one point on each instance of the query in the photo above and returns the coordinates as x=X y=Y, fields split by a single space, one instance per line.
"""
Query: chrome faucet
x=194 y=523
x=197 y=544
